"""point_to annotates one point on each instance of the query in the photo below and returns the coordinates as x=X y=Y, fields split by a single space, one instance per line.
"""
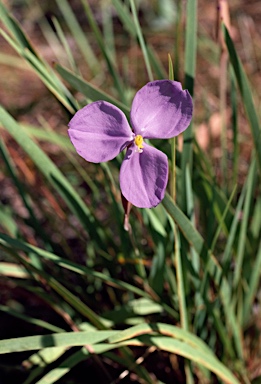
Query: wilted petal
x=99 y=131
x=144 y=176
x=161 y=110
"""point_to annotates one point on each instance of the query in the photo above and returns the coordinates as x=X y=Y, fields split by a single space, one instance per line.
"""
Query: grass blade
x=190 y=67
x=79 y=35
x=63 y=339
x=50 y=171
x=254 y=281
x=111 y=66
x=87 y=89
x=141 y=40
x=196 y=240
x=246 y=94
x=244 y=225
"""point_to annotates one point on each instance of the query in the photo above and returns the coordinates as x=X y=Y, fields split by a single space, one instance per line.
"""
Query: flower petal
x=144 y=176
x=161 y=110
x=99 y=131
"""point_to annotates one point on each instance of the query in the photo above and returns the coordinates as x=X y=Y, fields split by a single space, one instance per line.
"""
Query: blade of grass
x=108 y=32
x=6 y=241
x=40 y=361
x=160 y=71
x=87 y=89
x=52 y=174
x=246 y=94
x=125 y=17
x=58 y=372
x=177 y=347
x=251 y=179
x=129 y=25
x=65 y=44
x=50 y=35
x=94 y=319
x=178 y=36
x=80 y=36
x=254 y=281
x=182 y=260
x=47 y=134
x=53 y=83
x=206 y=283
x=68 y=296
x=234 y=121
x=219 y=228
x=12 y=25
x=23 y=194
x=228 y=251
x=202 y=356
x=195 y=239
x=63 y=339
x=13 y=270
x=99 y=38
x=156 y=277
x=172 y=143
x=30 y=320
x=15 y=62
x=190 y=67
x=44 y=72
x=141 y=39
x=7 y=221
x=211 y=195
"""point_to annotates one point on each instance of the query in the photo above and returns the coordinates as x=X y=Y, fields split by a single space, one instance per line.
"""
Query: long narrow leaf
x=246 y=94
x=87 y=89
x=51 y=172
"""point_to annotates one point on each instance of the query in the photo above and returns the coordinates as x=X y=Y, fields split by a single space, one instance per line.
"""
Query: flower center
x=138 y=142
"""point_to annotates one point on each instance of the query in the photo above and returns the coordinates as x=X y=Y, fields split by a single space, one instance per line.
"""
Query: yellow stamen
x=138 y=141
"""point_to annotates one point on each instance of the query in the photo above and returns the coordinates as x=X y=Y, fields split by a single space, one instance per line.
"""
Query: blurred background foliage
x=184 y=284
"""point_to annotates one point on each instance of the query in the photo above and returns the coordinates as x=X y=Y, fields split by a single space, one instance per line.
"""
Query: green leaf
x=55 y=374
x=250 y=182
x=63 y=339
x=45 y=73
x=246 y=94
x=30 y=320
x=99 y=38
x=13 y=270
x=179 y=341
x=80 y=37
x=190 y=67
x=168 y=344
x=14 y=28
x=254 y=282
x=195 y=239
x=141 y=39
x=7 y=241
x=87 y=89
x=51 y=172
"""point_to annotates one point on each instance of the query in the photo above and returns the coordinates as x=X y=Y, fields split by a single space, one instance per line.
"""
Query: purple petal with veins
x=144 y=176
x=99 y=132
x=161 y=110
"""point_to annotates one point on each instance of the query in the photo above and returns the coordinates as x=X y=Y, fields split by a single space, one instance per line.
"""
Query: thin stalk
x=172 y=142
x=223 y=14
x=141 y=39
x=190 y=69
x=182 y=297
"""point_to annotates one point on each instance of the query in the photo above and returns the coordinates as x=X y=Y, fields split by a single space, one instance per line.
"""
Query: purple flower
x=100 y=131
